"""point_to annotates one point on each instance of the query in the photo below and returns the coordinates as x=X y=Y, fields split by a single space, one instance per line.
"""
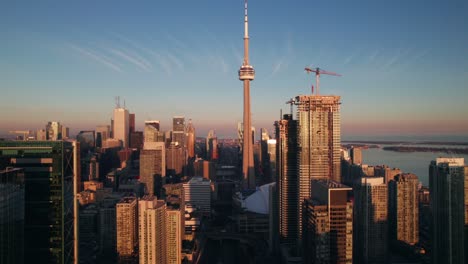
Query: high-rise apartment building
x=403 y=208
x=121 y=125
x=152 y=230
x=51 y=170
x=371 y=221
x=287 y=181
x=127 y=227
x=174 y=231
x=447 y=177
x=319 y=142
x=212 y=145
x=328 y=223
x=356 y=155
x=190 y=140
x=198 y=193
x=153 y=166
x=12 y=216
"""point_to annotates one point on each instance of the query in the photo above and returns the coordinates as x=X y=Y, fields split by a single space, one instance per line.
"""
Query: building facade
x=152 y=165
x=371 y=221
x=198 y=193
x=51 y=170
x=126 y=227
x=447 y=178
x=121 y=126
x=151 y=230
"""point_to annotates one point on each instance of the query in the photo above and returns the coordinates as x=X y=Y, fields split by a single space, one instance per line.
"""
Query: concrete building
x=356 y=155
x=11 y=215
x=319 y=142
x=53 y=131
x=127 y=227
x=328 y=223
x=175 y=159
x=287 y=180
x=212 y=145
x=174 y=232
x=153 y=166
x=104 y=130
x=198 y=193
x=41 y=134
x=190 y=140
x=131 y=123
x=371 y=221
x=152 y=132
x=51 y=217
x=447 y=177
x=205 y=169
x=403 y=208
x=121 y=126
x=152 y=230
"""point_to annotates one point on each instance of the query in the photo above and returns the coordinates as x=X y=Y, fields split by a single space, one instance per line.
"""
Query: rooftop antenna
x=117 y=102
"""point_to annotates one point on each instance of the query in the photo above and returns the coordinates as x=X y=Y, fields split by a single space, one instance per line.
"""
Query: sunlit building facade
x=121 y=126
x=151 y=230
x=126 y=227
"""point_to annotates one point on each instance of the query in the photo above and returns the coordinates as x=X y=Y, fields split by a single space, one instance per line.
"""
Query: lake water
x=413 y=162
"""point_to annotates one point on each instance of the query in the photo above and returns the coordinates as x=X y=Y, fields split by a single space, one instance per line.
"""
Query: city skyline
x=400 y=62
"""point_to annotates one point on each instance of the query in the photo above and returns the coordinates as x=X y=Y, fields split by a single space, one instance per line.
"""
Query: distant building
x=190 y=140
x=386 y=172
x=178 y=123
x=212 y=145
x=104 y=131
x=41 y=134
x=356 y=155
x=198 y=193
x=205 y=169
x=11 y=215
x=152 y=132
x=136 y=140
x=447 y=177
x=131 y=123
x=65 y=132
x=152 y=230
x=153 y=166
x=121 y=126
x=127 y=227
x=328 y=223
x=403 y=208
x=54 y=131
x=371 y=221
x=175 y=159
x=51 y=177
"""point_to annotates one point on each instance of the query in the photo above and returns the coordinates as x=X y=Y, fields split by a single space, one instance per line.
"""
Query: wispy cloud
x=224 y=65
x=350 y=58
x=277 y=66
x=98 y=58
x=175 y=61
x=136 y=60
x=396 y=58
x=374 y=55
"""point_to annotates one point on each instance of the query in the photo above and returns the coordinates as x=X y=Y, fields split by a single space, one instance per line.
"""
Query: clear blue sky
x=404 y=62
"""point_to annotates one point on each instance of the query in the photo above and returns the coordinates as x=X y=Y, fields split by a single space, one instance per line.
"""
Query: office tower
x=198 y=193
x=205 y=169
x=175 y=159
x=190 y=140
x=356 y=155
x=174 y=231
x=88 y=232
x=107 y=227
x=403 y=208
x=41 y=134
x=131 y=123
x=446 y=183
x=53 y=131
x=93 y=169
x=287 y=181
x=126 y=226
x=178 y=130
x=152 y=132
x=65 y=132
x=105 y=132
x=247 y=74
x=271 y=149
x=11 y=215
x=371 y=221
x=153 y=166
x=212 y=145
x=328 y=223
x=51 y=170
x=136 y=140
x=152 y=230
x=386 y=172
x=121 y=125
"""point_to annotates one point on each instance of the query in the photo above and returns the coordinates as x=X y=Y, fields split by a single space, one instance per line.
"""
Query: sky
x=403 y=63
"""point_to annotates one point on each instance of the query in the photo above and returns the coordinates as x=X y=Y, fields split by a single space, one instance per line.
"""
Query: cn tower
x=247 y=74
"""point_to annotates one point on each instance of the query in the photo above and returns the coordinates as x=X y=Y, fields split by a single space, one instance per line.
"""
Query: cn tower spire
x=247 y=74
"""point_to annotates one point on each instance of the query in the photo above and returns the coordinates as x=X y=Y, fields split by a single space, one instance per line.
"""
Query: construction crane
x=291 y=102
x=25 y=133
x=319 y=71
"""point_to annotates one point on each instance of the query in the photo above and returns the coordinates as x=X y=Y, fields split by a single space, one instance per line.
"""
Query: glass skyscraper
x=50 y=233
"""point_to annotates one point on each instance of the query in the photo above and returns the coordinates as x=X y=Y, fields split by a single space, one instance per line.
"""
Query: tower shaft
x=247 y=74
